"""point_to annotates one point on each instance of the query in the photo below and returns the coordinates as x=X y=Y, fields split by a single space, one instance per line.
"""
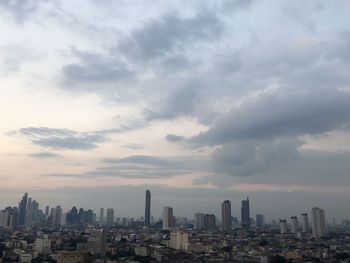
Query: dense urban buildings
x=77 y=236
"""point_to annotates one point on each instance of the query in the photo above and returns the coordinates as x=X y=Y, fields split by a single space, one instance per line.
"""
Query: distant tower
x=198 y=221
x=110 y=215
x=23 y=210
x=294 y=224
x=318 y=222
x=102 y=211
x=305 y=222
x=283 y=225
x=226 y=216
x=168 y=218
x=260 y=221
x=148 y=208
x=47 y=210
x=245 y=215
x=58 y=215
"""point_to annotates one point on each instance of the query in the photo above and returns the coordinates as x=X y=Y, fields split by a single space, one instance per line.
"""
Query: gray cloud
x=21 y=10
x=160 y=37
x=174 y=138
x=143 y=166
x=61 y=138
x=280 y=114
x=93 y=68
x=45 y=155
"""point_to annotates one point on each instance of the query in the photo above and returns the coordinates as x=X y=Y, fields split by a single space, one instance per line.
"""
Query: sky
x=198 y=101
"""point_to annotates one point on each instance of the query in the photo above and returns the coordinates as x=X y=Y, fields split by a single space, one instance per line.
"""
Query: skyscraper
x=58 y=215
x=260 y=221
x=110 y=215
x=245 y=215
x=168 y=218
x=23 y=210
x=198 y=221
x=318 y=222
x=226 y=216
x=148 y=208
x=209 y=221
x=294 y=224
x=283 y=225
x=305 y=222
x=101 y=216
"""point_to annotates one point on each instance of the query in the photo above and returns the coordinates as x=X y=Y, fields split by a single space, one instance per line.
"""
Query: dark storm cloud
x=280 y=114
x=61 y=138
x=279 y=161
x=159 y=37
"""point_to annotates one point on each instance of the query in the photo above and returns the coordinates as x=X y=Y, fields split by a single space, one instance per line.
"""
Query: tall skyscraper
x=305 y=222
x=226 y=216
x=148 y=208
x=245 y=215
x=58 y=215
x=168 y=218
x=23 y=210
x=101 y=216
x=318 y=222
x=294 y=224
x=110 y=215
x=260 y=221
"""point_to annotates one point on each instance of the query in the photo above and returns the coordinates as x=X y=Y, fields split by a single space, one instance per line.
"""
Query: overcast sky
x=199 y=101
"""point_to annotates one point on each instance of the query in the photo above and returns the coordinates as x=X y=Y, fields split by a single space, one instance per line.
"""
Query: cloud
x=61 y=138
x=159 y=37
x=44 y=155
x=21 y=10
x=280 y=114
x=143 y=166
x=93 y=68
x=174 y=138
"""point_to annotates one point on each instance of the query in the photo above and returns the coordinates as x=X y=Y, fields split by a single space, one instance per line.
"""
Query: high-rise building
x=209 y=221
x=52 y=217
x=294 y=224
x=110 y=215
x=198 y=221
x=168 y=218
x=23 y=210
x=58 y=216
x=148 y=208
x=284 y=226
x=305 y=222
x=226 y=216
x=102 y=211
x=245 y=215
x=260 y=221
x=318 y=222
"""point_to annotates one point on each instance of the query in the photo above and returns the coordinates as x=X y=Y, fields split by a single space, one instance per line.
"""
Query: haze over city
x=198 y=101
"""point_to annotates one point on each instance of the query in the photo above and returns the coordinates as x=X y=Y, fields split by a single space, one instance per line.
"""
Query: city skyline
x=28 y=209
x=197 y=101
